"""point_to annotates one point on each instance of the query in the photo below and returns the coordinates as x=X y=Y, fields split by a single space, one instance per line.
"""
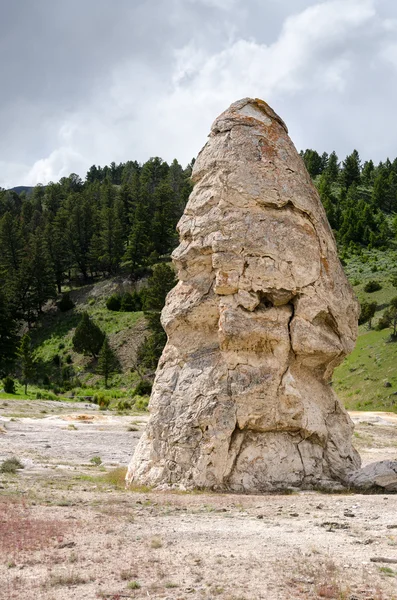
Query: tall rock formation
x=261 y=316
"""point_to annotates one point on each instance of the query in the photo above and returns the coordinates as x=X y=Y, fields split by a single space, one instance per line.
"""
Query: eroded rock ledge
x=261 y=316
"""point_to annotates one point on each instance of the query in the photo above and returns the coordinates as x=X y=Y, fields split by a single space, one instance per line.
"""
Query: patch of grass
x=325 y=576
x=116 y=477
x=127 y=574
x=11 y=465
x=35 y=392
x=141 y=403
x=156 y=543
x=372 y=362
x=134 y=585
x=387 y=571
x=364 y=370
x=69 y=579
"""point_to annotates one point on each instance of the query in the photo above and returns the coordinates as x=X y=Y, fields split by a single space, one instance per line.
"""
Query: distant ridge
x=22 y=188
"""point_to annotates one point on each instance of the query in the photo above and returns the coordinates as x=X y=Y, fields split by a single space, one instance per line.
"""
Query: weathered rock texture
x=381 y=475
x=261 y=316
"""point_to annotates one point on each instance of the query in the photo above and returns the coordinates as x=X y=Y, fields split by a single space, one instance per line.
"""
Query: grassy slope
x=125 y=332
x=360 y=380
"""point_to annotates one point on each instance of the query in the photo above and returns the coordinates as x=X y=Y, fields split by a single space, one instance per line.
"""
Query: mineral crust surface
x=260 y=317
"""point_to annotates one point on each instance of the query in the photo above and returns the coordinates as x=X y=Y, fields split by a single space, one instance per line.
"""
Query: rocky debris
x=382 y=474
x=261 y=316
x=380 y=559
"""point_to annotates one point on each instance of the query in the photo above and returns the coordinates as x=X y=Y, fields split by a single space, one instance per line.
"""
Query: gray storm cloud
x=92 y=82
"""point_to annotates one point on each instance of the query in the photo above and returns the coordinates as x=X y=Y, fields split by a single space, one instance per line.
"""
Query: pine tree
x=332 y=169
x=139 y=245
x=41 y=273
x=26 y=360
x=8 y=338
x=380 y=190
x=57 y=244
x=351 y=172
x=107 y=362
x=160 y=283
x=390 y=317
x=368 y=310
x=80 y=231
x=11 y=244
x=111 y=237
x=313 y=162
x=368 y=172
x=88 y=337
x=165 y=218
x=93 y=174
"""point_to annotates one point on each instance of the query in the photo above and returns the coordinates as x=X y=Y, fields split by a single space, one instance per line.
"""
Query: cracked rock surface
x=261 y=316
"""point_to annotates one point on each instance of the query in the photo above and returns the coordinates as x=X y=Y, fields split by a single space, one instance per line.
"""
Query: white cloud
x=14 y=174
x=222 y=4
x=388 y=53
x=314 y=74
x=60 y=163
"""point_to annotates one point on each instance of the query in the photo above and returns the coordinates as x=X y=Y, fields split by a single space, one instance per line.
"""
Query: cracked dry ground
x=68 y=529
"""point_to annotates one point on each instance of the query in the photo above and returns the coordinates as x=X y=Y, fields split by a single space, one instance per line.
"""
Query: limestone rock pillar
x=261 y=316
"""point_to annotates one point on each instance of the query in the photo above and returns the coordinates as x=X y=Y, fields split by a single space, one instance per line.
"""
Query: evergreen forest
x=121 y=221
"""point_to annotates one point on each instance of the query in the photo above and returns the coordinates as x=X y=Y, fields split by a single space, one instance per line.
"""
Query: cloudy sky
x=90 y=81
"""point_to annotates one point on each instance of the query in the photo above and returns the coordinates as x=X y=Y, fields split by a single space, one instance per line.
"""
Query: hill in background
x=108 y=233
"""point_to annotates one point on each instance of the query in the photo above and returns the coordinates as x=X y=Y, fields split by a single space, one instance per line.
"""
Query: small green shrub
x=124 y=405
x=141 y=402
x=96 y=461
x=114 y=302
x=134 y=585
x=127 y=303
x=384 y=322
x=45 y=395
x=66 y=373
x=144 y=388
x=116 y=477
x=131 y=302
x=372 y=286
x=66 y=303
x=11 y=465
x=9 y=385
x=103 y=402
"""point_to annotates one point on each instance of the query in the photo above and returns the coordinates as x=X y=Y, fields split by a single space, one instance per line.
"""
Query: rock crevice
x=261 y=316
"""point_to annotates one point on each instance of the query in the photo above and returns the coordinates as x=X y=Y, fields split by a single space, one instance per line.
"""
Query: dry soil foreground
x=68 y=529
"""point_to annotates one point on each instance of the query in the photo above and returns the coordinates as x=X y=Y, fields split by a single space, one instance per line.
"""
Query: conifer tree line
x=124 y=213
x=360 y=199
x=127 y=213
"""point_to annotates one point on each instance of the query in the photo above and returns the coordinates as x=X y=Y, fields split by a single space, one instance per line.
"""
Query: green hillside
x=125 y=331
x=116 y=230
x=367 y=379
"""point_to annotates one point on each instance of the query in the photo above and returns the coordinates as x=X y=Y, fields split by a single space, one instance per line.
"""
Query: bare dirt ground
x=68 y=529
